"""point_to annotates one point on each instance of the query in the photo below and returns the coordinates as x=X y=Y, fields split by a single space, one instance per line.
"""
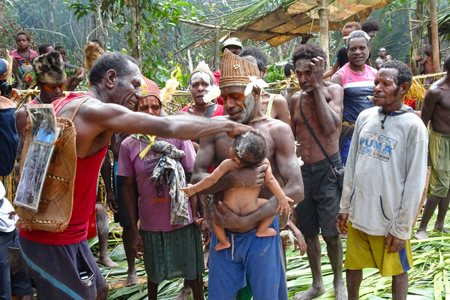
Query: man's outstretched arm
x=181 y=126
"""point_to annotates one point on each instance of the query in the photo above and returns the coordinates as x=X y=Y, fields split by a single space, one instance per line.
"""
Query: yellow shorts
x=368 y=251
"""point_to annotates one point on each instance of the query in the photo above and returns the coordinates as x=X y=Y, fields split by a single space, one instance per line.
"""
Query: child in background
x=247 y=150
x=23 y=57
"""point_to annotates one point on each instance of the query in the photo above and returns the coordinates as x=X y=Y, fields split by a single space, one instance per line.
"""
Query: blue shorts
x=261 y=257
x=11 y=285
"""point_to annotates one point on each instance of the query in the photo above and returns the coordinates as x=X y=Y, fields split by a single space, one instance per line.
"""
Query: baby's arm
x=228 y=165
x=275 y=188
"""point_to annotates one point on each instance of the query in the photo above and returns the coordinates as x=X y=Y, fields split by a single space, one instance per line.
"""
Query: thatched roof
x=283 y=24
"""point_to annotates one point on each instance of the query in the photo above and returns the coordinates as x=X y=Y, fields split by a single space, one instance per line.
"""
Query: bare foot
x=340 y=292
x=310 y=293
x=221 y=246
x=441 y=230
x=131 y=279
x=267 y=232
x=184 y=293
x=107 y=262
x=421 y=235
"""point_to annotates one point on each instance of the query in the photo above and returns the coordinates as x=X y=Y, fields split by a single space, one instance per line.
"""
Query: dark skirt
x=173 y=254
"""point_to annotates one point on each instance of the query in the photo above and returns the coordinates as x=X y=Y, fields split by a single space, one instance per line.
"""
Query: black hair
x=116 y=61
x=358 y=34
x=404 y=72
x=429 y=50
x=23 y=33
x=353 y=25
x=57 y=48
x=370 y=25
x=287 y=69
x=308 y=51
x=43 y=48
x=257 y=53
x=250 y=148
x=447 y=63
x=97 y=42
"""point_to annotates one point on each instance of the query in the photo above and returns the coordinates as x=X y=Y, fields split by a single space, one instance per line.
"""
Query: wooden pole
x=324 y=12
x=217 y=49
x=435 y=36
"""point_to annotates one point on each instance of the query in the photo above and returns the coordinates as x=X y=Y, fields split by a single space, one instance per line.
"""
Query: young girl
x=22 y=57
x=247 y=150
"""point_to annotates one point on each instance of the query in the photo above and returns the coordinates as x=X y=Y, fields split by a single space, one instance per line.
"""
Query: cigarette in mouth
x=369 y=98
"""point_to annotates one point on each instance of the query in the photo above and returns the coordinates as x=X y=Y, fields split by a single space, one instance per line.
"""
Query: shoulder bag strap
x=312 y=132
x=78 y=107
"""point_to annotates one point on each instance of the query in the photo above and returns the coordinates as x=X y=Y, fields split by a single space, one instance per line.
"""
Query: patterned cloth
x=169 y=165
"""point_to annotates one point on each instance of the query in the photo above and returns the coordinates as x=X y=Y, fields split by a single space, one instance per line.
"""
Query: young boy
x=383 y=184
x=247 y=150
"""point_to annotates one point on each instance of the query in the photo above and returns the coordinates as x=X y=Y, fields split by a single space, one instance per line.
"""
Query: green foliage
x=274 y=73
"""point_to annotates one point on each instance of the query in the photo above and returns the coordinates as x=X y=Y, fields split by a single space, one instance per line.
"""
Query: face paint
x=248 y=109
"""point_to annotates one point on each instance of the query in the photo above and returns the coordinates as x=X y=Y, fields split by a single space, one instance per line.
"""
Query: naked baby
x=247 y=150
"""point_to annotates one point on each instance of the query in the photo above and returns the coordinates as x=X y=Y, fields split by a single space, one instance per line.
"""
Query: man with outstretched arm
x=261 y=258
x=383 y=183
x=436 y=108
x=115 y=90
x=321 y=103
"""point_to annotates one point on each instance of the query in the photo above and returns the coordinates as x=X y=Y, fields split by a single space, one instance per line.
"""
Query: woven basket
x=55 y=206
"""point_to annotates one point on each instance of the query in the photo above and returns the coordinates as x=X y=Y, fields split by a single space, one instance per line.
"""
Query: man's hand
x=250 y=177
x=137 y=244
x=225 y=217
x=317 y=68
x=111 y=201
x=238 y=128
x=7 y=103
x=394 y=244
x=341 y=223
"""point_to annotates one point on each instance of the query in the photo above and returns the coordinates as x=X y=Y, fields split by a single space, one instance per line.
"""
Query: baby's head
x=249 y=149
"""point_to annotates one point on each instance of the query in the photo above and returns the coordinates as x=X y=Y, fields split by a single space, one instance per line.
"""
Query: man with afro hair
x=320 y=105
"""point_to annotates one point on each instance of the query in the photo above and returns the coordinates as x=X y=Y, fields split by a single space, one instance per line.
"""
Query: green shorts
x=440 y=164
x=173 y=254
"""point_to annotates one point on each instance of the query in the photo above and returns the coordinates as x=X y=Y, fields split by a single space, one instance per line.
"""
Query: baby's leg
x=263 y=226
x=221 y=236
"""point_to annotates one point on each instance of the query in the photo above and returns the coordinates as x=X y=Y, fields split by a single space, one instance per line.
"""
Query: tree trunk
x=135 y=11
x=417 y=41
x=435 y=36
x=324 y=12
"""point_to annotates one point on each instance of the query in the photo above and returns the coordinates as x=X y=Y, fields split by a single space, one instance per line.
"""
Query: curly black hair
x=116 y=61
x=354 y=25
x=257 y=53
x=43 y=48
x=57 y=48
x=370 y=25
x=250 y=148
x=308 y=51
x=23 y=33
x=447 y=63
x=404 y=72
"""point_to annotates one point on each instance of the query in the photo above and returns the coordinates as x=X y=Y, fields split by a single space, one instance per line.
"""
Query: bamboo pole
x=424 y=196
x=217 y=49
x=324 y=12
x=435 y=35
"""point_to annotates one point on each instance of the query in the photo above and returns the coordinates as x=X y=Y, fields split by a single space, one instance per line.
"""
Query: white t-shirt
x=6 y=224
